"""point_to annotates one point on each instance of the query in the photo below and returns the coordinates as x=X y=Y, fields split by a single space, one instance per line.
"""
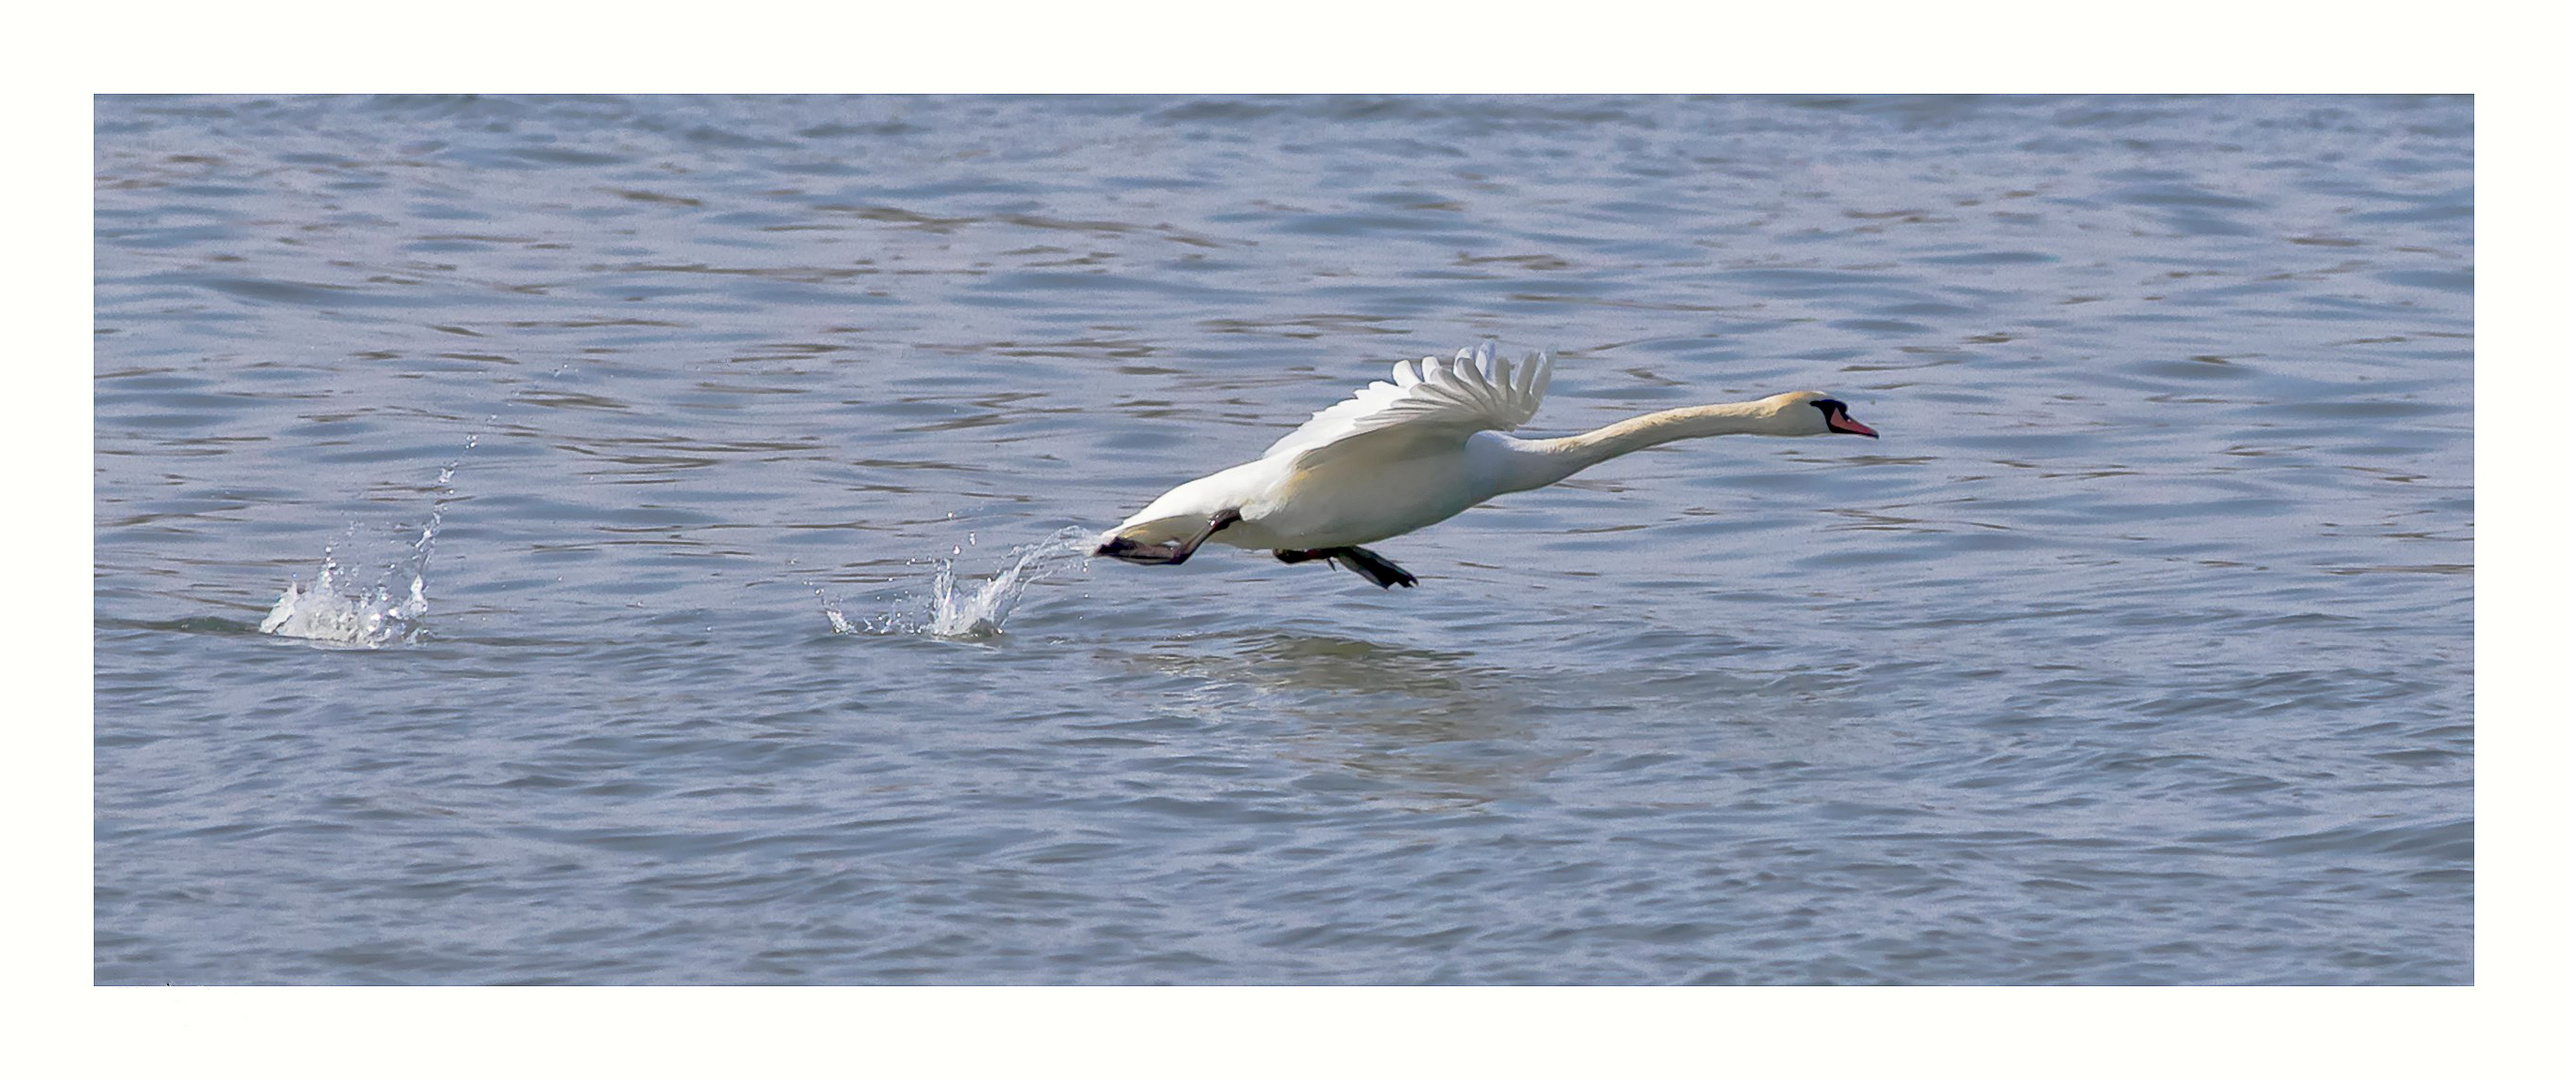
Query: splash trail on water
x=336 y=609
x=957 y=609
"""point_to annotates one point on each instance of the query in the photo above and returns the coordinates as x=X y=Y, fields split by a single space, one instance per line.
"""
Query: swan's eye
x=1828 y=406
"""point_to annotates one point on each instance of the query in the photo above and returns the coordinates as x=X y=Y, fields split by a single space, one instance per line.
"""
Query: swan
x=1402 y=455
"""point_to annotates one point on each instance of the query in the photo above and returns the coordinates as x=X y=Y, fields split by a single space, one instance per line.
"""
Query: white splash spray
x=959 y=609
x=335 y=609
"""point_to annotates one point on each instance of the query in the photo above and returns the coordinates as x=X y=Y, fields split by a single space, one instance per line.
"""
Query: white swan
x=1402 y=455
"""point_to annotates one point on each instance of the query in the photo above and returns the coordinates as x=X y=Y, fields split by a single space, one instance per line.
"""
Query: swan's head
x=1809 y=412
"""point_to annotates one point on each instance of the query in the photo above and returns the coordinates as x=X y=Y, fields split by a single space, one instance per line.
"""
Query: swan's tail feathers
x=1372 y=567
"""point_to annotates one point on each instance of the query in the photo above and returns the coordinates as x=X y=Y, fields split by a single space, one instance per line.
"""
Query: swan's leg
x=1375 y=568
x=1172 y=552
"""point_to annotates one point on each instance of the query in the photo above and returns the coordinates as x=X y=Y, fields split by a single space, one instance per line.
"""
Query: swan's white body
x=1402 y=455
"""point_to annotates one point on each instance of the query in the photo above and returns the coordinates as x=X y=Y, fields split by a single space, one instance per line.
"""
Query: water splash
x=338 y=610
x=953 y=608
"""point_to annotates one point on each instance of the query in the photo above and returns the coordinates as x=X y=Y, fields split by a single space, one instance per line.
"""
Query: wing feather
x=1476 y=391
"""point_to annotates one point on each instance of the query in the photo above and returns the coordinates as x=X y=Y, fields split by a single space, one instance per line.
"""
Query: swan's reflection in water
x=1437 y=727
x=1379 y=722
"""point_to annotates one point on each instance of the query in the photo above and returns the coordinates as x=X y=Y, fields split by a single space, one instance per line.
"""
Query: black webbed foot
x=1168 y=554
x=1374 y=568
x=1145 y=554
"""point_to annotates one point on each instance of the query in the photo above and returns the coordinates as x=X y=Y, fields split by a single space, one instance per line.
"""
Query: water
x=756 y=645
x=958 y=609
x=335 y=609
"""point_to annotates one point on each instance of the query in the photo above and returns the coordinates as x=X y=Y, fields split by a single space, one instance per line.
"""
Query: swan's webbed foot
x=1170 y=553
x=1375 y=568
x=1129 y=551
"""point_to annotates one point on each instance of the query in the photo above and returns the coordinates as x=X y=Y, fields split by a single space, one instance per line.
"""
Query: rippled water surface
x=2138 y=649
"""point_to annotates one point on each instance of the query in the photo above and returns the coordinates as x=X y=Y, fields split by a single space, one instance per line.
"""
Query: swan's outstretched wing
x=1476 y=391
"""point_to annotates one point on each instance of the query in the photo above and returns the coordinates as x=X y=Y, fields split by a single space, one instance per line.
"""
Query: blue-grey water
x=2137 y=650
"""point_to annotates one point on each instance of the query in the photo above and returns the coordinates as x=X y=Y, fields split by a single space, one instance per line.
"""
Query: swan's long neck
x=1550 y=461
